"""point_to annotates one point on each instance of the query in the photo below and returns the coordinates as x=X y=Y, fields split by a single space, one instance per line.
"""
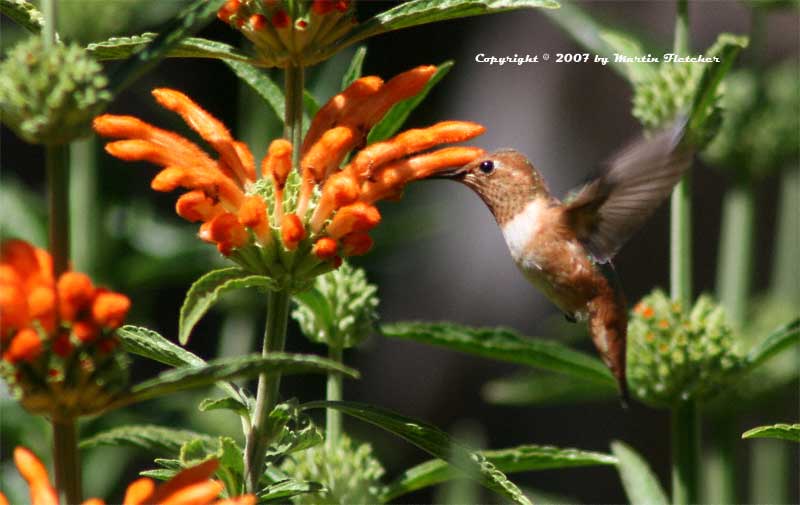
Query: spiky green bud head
x=340 y=309
x=50 y=96
x=676 y=354
x=349 y=471
x=761 y=119
x=657 y=101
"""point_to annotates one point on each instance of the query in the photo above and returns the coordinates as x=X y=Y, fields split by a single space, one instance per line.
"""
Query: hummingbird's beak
x=455 y=174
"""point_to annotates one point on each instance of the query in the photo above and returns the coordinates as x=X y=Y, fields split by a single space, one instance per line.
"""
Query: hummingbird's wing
x=608 y=210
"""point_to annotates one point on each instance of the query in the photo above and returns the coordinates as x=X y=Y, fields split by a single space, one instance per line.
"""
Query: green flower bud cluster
x=339 y=310
x=667 y=94
x=761 y=120
x=49 y=96
x=349 y=472
x=677 y=355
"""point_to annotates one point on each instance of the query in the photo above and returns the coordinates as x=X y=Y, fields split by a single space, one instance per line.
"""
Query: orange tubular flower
x=192 y=486
x=43 y=322
x=293 y=224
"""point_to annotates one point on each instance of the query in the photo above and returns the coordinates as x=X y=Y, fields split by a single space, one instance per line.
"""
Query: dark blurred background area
x=439 y=254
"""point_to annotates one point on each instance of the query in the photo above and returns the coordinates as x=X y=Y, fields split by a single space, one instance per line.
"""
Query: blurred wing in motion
x=608 y=210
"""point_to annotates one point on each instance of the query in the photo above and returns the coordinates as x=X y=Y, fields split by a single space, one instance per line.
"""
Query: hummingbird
x=565 y=247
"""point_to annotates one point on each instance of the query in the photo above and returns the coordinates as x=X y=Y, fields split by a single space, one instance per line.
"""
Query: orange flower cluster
x=326 y=209
x=192 y=486
x=280 y=37
x=37 y=314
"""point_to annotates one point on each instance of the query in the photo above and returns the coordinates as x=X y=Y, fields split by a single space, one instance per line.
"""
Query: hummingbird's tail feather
x=608 y=325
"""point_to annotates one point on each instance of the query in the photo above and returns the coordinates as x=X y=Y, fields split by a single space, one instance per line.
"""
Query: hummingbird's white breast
x=520 y=231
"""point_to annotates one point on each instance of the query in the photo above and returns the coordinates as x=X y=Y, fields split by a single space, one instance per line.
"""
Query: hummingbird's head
x=505 y=180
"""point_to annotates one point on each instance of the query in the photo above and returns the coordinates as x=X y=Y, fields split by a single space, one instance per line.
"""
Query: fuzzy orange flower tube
x=192 y=486
x=293 y=223
x=57 y=336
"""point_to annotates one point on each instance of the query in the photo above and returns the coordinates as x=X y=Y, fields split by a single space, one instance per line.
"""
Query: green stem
x=771 y=462
x=268 y=386
x=685 y=424
x=56 y=163
x=719 y=468
x=785 y=280
x=681 y=243
x=66 y=461
x=293 y=130
x=50 y=14
x=84 y=213
x=333 y=418
x=681 y=45
x=736 y=251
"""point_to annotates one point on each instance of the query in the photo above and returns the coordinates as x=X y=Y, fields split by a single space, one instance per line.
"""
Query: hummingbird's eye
x=486 y=166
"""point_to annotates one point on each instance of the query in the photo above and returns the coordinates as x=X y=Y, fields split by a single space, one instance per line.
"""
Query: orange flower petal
x=197 y=206
x=13 y=308
x=94 y=501
x=183 y=479
x=200 y=493
x=327 y=153
x=292 y=231
x=227 y=232
x=139 y=492
x=226 y=11
x=278 y=162
x=75 y=293
x=21 y=256
x=411 y=142
x=3 y=499
x=253 y=214
x=25 y=346
x=35 y=474
x=246 y=499
x=42 y=306
x=109 y=309
x=355 y=217
x=85 y=331
x=356 y=244
x=340 y=189
x=213 y=185
x=325 y=248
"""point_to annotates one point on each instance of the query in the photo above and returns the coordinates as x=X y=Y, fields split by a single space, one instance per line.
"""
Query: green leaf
x=193 y=18
x=243 y=367
x=353 y=71
x=282 y=490
x=223 y=404
x=159 y=439
x=434 y=441
x=641 y=486
x=262 y=84
x=517 y=459
x=782 y=431
x=726 y=48
x=602 y=40
x=206 y=290
x=118 y=48
x=780 y=339
x=311 y=107
x=24 y=14
x=420 y=12
x=150 y=344
x=550 y=389
x=399 y=112
x=505 y=345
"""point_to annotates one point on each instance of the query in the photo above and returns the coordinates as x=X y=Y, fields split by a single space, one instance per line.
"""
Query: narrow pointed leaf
x=353 y=71
x=640 y=484
x=158 y=439
x=420 y=12
x=780 y=339
x=505 y=345
x=206 y=290
x=434 y=441
x=193 y=18
x=240 y=367
x=24 y=14
x=280 y=491
x=550 y=389
x=398 y=114
x=525 y=458
x=118 y=48
x=782 y=431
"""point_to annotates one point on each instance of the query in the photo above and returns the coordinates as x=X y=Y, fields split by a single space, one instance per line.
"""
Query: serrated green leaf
x=602 y=40
x=159 y=473
x=640 y=484
x=282 y=490
x=240 y=367
x=420 y=12
x=158 y=439
x=782 y=431
x=353 y=71
x=434 y=441
x=150 y=344
x=24 y=14
x=517 y=459
x=206 y=290
x=399 y=112
x=726 y=48
x=118 y=48
x=193 y=18
x=550 y=389
x=505 y=345
x=780 y=339
x=209 y=404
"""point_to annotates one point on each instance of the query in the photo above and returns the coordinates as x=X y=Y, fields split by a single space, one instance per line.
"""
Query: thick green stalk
x=736 y=251
x=84 y=213
x=785 y=274
x=685 y=425
x=771 y=465
x=66 y=461
x=333 y=393
x=268 y=385
x=277 y=305
x=56 y=162
x=719 y=465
